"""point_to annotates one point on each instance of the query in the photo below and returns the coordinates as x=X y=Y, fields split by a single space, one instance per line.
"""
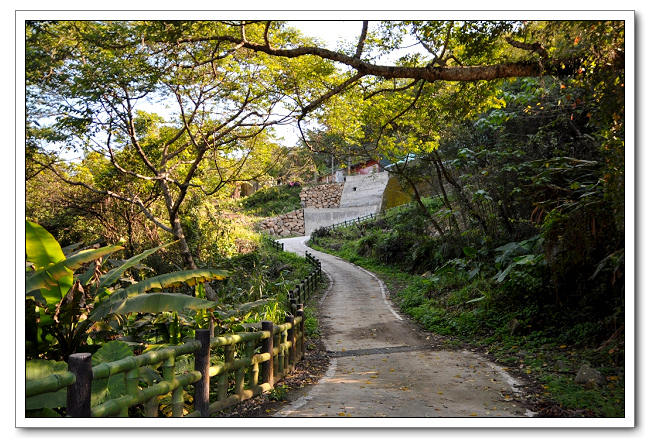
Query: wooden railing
x=307 y=285
x=354 y=221
x=268 y=355
x=276 y=244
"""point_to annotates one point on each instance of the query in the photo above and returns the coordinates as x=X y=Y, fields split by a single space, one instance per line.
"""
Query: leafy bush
x=311 y=324
x=272 y=201
x=72 y=296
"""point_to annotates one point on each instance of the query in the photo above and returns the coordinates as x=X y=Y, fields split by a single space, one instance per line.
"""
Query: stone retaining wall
x=322 y=196
x=289 y=224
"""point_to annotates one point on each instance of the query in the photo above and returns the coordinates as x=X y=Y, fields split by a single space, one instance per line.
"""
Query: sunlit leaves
x=452 y=42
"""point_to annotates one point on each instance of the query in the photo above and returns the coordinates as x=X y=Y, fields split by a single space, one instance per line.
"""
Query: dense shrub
x=271 y=201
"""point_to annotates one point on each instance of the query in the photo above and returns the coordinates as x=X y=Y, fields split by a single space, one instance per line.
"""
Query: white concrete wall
x=321 y=217
x=361 y=196
x=364 y=190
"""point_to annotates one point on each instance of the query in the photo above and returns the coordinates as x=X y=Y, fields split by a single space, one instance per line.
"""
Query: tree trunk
x=461 y=195
x=179 y=235
x=186 y=255
x=418 y=201
x=445 y=198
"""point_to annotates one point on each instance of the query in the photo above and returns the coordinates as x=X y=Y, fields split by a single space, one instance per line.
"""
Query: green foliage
x=512 y=284
x=312 y=329
x=112 y=387
x=515 y=255
x=603 y=402
x=522 y=177
x=158 y=169
x=526 y=219
x=279 y=392
x=272 y=201
x=214 y=233
x=44 y=404
x=60 y=321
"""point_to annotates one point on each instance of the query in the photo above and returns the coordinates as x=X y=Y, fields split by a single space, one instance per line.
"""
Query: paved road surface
x=382 y=367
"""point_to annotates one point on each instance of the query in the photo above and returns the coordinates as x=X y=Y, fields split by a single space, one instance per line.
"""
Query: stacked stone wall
x=289 y=224
x=322 y=196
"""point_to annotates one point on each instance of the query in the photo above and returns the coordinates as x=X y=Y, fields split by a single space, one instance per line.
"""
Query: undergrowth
x=272 y=201
x=515 y=321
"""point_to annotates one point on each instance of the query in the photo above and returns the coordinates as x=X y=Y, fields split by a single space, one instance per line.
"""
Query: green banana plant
x=120 y=300
x=63 y=301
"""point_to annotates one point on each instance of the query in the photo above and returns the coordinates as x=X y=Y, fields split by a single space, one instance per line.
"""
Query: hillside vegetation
x=272 y=201
x=492 y=299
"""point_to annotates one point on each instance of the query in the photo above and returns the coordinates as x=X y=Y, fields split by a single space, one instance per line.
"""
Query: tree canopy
x=92 y=87
x=96 y=80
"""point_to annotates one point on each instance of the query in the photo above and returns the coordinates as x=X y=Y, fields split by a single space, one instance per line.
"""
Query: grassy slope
x=272 y=201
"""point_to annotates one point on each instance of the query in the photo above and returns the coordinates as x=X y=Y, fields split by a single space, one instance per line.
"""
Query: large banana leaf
x=43 y=251
x=48 y=278
x=41 y=247
x=67 y=250
x=113 y=275
x=157 y=283
x=156 y=302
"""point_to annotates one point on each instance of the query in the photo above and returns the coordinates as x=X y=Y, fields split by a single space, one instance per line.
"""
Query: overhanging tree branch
x=442 y=73
x=534 y=48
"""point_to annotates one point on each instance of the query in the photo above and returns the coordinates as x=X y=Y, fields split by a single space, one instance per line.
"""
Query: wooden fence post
x=78 y=394
x=301 y=313
x=291 y=337
x=202 y=364
x=267 y=347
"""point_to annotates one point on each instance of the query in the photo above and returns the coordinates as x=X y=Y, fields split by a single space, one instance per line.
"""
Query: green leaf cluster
x=70 y=298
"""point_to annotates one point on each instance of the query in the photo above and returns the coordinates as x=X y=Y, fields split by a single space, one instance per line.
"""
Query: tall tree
x=95 y=81
x=227 y=80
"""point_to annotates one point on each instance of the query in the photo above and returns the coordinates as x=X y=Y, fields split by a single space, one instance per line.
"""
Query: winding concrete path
x=382 y=367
